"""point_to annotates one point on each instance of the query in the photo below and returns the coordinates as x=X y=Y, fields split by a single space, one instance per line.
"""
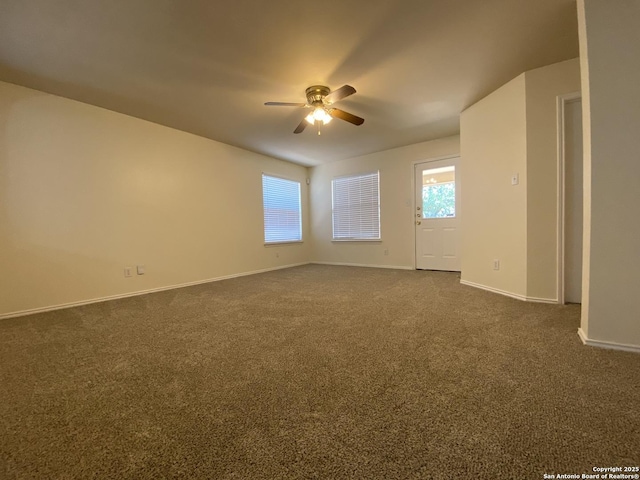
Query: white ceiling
x=207 y=67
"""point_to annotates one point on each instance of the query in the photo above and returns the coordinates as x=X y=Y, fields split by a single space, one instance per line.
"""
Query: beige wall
x=609 y=46
x=494 y=222
x=396 y=211
x=543 y=85
x=85 y=192
x=514 y=131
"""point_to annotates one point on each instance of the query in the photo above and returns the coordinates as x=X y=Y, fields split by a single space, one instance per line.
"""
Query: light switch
x=140 y=269
x=515 y=179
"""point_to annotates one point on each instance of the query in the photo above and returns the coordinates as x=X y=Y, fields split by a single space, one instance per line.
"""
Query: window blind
x=282 y=217
x=356 y=207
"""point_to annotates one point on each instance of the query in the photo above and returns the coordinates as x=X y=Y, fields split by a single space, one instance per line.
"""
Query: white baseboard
x=541 y=300
x=393 y=267
x=582 y=336
x=517 y=296
x=610 y=345
x=61 y=306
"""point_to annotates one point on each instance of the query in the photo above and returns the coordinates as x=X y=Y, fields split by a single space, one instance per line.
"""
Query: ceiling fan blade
x=285 y=104
x=339 y=94
x=300 y=128
x=346 y=116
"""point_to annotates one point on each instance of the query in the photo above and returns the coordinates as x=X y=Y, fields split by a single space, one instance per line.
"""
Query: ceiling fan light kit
x=318 y=115
x=320 y=98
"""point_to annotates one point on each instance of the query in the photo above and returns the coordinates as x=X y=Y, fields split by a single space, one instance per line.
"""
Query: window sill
x=368 y=240
x=285 y=242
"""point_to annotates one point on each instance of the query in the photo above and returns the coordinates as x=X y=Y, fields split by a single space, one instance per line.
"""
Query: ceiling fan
x=320 y=98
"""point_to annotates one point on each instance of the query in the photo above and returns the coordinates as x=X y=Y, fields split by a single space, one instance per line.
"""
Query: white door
x=437 y=216
x=573 y=202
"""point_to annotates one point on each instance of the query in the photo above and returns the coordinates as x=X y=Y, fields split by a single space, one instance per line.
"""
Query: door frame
x=413 y=197
x=561 y=103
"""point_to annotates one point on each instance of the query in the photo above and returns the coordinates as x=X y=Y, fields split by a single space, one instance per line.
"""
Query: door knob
x=418 y=222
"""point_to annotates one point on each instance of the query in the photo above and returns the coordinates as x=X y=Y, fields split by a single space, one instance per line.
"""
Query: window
x=356 y=207
x=282 y=217
x=439 y=192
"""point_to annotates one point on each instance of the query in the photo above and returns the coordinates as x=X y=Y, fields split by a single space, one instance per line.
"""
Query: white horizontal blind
x=356 y=207
x=281 y=202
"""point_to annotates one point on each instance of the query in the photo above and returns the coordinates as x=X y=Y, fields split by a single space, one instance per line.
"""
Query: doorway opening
x=570 y=195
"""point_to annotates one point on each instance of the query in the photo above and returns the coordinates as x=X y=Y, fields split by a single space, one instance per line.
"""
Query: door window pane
x=439 y=192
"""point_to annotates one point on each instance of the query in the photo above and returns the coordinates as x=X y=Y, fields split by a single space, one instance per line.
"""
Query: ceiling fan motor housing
x=316 y=93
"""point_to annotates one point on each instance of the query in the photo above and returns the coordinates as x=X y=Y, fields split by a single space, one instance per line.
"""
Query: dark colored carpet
x=313 y=372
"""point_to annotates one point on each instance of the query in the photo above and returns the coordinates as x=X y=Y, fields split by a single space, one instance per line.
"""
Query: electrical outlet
x=127 y=271
x=277 y=254
x=140 y=269
x=496 y=264
x=386 y=251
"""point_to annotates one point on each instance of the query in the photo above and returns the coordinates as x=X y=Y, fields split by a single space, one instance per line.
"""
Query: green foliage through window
x=439 y=200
